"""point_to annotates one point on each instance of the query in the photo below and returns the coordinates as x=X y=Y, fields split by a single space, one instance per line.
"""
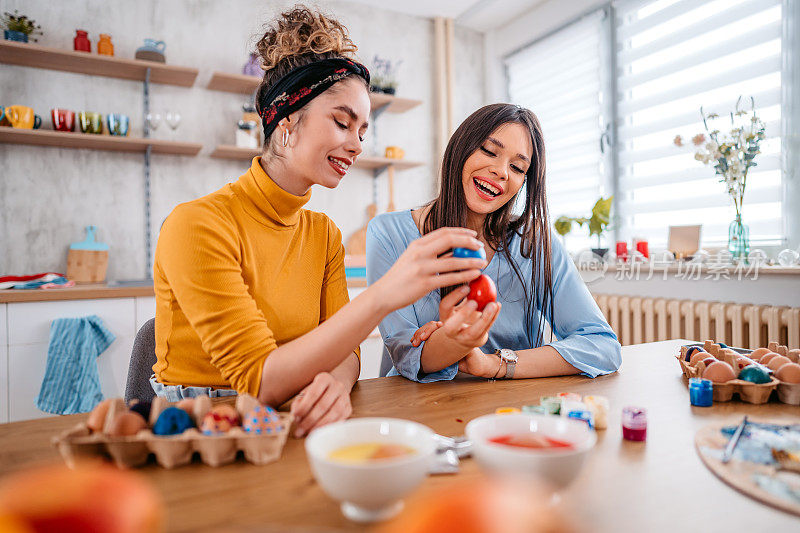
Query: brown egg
x=742 y=362
x=776 y=362
x=126 y=424
x=758 y=353
x=766 y=357
x=97 y=418
x=789 y=373
x=187 y=404
x=719 y=372
x=698 y=356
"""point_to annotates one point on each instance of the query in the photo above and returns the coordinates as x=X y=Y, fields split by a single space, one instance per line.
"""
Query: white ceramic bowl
x=559 y=467
x=372 y=491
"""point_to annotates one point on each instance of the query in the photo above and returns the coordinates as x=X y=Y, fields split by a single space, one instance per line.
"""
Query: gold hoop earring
x=285 y=137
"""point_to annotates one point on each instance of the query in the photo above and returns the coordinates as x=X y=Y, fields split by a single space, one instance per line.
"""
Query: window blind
x=674 y=56
x=559 y=78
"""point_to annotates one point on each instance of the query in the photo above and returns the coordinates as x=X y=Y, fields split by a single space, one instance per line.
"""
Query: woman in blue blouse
x=492 y=154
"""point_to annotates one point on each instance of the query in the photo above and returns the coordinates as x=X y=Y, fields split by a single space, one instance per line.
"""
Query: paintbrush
x=734 y=441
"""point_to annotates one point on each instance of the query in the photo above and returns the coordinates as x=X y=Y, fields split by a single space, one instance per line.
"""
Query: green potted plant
x=19 y=27
x=563 y=225
x=598 y=223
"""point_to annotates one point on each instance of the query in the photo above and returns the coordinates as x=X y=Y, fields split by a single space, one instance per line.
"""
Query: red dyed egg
x=482 y=291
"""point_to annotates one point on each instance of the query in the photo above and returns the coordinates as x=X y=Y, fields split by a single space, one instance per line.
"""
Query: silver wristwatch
x=510 y=358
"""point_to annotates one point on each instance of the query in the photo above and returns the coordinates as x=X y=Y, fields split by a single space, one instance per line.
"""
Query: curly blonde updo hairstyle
x=298 y=37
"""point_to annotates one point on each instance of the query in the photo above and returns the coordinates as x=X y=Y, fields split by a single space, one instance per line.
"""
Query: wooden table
x=660 y=485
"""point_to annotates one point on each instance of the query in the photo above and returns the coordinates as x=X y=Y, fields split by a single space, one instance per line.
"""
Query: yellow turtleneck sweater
x=238 y=273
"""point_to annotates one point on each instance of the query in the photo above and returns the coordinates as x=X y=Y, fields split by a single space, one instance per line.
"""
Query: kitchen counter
x=79 y=292
x=101 y=290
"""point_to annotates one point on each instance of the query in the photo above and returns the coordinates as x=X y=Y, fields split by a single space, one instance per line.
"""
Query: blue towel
x=71 y=382
x=58 y=280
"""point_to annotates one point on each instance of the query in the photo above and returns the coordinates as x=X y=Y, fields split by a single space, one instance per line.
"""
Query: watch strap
x=510 y=367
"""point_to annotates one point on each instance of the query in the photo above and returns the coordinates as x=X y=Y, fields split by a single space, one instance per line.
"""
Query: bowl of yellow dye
x=370 y=464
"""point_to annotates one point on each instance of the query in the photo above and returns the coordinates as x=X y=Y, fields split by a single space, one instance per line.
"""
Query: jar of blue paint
x=701 y=392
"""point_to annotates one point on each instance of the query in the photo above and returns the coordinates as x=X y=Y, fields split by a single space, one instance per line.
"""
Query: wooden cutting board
x=357 y=243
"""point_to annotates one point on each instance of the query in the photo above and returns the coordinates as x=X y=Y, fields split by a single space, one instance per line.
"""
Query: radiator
x=640 y=319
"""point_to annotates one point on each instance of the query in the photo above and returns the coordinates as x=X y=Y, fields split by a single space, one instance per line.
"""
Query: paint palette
x=694 y=359
x=764 y=461
x=177 y=450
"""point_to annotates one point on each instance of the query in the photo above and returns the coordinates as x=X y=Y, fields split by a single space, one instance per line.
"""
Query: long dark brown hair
x=450 y=209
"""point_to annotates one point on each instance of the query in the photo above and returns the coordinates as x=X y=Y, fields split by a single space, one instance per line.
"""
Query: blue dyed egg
x=172 y=421
x=467 y=253
x=754 y=374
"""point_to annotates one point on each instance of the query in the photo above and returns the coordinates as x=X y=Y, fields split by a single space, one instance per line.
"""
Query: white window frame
x=790 y=116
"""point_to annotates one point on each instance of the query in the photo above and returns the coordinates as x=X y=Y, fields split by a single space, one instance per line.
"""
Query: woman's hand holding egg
x=423 y=268
x=469 y=328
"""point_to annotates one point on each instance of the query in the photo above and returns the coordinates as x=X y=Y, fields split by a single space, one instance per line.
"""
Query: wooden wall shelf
x=60 y=139
x=33 y=55
x=239 y=83
x=392 y=104
x=233 y=83
x=226 y=151
x=374 y=163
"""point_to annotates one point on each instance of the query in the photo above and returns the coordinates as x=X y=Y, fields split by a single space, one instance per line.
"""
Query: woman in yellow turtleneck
x=250 y=287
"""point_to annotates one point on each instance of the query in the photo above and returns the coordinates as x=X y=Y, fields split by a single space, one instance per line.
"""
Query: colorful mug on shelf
x=63 y=119
x=117 y=124
x=21 y=116
x=394 y=152
x=90 y=122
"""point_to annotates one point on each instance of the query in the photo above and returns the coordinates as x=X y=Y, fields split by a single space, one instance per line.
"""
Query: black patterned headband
x=302 y=85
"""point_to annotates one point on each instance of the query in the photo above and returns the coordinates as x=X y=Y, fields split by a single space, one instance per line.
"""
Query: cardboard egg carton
x=756 y=393
x=174 y=450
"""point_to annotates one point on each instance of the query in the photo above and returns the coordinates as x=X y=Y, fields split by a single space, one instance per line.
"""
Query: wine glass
x=153 y=120
x=173 y=119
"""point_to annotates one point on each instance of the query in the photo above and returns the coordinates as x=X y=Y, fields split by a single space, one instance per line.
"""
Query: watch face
x=509 y=355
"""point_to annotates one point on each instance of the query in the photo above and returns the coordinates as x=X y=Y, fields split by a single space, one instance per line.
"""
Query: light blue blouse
x=584 y=338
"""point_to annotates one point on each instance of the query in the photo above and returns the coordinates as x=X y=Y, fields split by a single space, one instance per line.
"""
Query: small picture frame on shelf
x=684 y=241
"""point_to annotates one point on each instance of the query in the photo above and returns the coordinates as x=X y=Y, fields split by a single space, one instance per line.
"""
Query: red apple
x=482 y=291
